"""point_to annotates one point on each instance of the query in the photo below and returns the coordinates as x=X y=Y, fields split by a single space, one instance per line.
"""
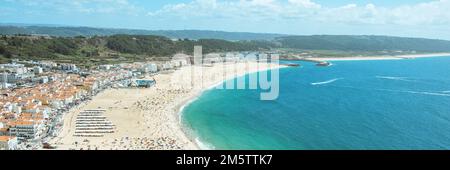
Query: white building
x=12 y=78
x=52 y=78
x=149 y=68
x=56 y=103
x=165 y=66
x=38 y=70
x=69 y=67
x=4 y=81
x=152 y=67
x=9 y=78
x=26 y=130
x=47 y=65
x=179 y=60
x=43 y=79
x=8 y=106
x=14 y=68
x=105 y=67
x=8 y=143
x=212 y=58
x=16 y=108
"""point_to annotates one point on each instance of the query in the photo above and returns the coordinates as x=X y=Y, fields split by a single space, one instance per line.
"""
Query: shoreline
x=151 y=118
x=381 y=57
x=189 y=132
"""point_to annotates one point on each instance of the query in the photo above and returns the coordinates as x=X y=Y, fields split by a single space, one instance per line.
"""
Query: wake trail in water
x=429 y=93
x=326 y=82
x=401 y=91
x=394 y=78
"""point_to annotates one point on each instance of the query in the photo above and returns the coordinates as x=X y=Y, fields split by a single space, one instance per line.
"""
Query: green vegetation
x=150 y=45
x=363 y=43
x=109 y=49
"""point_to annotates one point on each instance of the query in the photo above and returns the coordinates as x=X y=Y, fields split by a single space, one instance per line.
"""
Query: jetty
x=321 y=63
x=291 y=65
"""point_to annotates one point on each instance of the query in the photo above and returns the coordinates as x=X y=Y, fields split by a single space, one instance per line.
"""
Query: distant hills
x=363 y=43
x=89 y=31
x=314 y=42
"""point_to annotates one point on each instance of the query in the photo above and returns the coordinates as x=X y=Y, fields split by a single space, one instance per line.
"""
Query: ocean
x=352 y=105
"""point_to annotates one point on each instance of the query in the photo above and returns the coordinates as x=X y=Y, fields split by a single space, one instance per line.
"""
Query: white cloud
x=105 y=6
x=239 y=9
x=304 y=3
x=429 y=19
x=433 y=12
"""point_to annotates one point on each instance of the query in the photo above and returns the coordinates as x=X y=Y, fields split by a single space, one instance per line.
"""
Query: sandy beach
x=148 y=118
x=387 y=57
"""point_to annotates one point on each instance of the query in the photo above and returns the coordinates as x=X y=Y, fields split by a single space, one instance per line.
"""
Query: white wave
x=202 y=145
x=445 y=91
x=393 y=78
x=428 y=93
x=326 y=82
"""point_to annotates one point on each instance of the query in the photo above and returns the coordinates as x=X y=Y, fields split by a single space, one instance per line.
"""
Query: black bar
x=232 y=159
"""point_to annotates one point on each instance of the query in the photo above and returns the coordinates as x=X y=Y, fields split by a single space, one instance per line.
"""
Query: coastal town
x=37 y=95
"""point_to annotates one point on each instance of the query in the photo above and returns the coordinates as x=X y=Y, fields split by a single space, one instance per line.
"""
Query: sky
x=406 y=18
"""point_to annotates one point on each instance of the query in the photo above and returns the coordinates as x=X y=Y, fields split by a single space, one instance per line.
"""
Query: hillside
x=363 y=43
x=116 y=48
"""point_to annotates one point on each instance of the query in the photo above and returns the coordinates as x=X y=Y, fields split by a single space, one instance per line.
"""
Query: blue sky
x=410 y=18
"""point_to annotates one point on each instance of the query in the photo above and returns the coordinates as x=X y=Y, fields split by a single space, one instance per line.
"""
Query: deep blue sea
x=384 y=104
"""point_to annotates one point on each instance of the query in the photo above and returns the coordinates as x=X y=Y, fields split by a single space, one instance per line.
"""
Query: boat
x=323 y=64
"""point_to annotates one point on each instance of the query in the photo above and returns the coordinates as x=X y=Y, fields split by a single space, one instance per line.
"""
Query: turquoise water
x=389 y=104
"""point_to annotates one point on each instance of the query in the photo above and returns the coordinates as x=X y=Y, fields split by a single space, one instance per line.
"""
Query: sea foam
x=203 y=145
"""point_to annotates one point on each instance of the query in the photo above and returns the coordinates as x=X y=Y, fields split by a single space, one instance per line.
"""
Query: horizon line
x=210 y=30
